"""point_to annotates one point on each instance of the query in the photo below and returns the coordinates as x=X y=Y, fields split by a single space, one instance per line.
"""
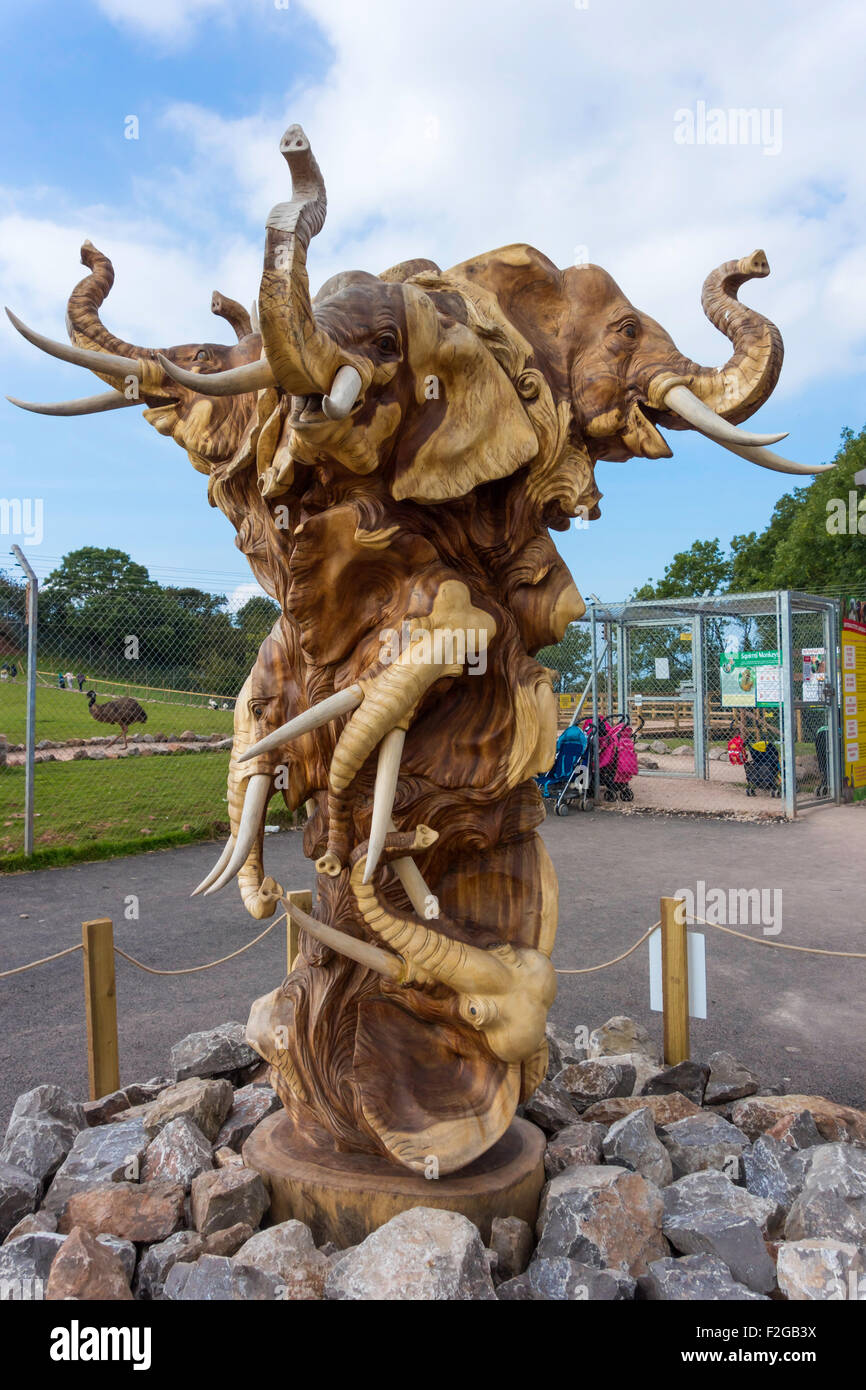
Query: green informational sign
x=750 y=679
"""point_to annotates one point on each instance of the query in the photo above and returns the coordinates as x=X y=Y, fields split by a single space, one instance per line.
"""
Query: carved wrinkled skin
x=419 y=434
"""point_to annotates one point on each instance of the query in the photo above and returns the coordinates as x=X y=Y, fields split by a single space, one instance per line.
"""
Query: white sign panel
x=697 y=974
x=663 y=668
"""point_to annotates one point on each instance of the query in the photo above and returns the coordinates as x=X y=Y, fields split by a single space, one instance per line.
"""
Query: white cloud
x=242 y=594
x=448 y=129
x=162 y=19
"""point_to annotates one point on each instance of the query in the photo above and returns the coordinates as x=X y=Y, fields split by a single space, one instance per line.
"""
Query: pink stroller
x=617 y=759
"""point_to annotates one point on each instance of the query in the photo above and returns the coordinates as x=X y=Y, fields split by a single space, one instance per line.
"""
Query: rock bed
x=140 y=745
x=692 y=1182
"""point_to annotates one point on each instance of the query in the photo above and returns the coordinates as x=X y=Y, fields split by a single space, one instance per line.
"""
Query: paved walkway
x=795 y=1018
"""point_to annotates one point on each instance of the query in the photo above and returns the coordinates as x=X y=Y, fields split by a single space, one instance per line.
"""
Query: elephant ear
x=471 y=426
x=536 y=298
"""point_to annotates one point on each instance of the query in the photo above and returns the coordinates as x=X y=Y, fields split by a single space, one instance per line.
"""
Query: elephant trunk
x=83 y=323
x=736 y=390
x=304 y=359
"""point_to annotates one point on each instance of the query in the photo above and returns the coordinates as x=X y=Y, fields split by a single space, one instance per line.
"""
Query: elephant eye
x=629 y=330
x=258 y=711
x=387 y=342
x=202 y=355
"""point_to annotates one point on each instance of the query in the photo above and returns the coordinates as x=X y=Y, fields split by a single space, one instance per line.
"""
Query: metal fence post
x=699 y=708
x=593 y=641
x=30 y=734
x=836 y=702
x=786 y=704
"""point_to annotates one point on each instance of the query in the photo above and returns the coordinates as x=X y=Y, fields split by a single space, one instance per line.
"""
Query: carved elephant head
x=210 y=428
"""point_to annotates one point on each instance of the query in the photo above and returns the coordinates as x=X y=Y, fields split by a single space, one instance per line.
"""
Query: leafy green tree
x=809 y=543
x=702 y=569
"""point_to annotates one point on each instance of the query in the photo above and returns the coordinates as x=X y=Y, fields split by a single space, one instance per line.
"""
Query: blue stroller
x=570 y=778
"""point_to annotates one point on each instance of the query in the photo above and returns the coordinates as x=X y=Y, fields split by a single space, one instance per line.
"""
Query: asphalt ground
x=796 y=1019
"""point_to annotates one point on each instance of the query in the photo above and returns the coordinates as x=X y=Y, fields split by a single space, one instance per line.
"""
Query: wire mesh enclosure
x=736 y=695
x=134 y=706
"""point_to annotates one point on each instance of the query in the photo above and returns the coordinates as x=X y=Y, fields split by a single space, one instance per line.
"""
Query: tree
x=703 y=569
x=83 y=573
x=810 y=542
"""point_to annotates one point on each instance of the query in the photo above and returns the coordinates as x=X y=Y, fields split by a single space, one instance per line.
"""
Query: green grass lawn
x=91 y=810
x=62 y=714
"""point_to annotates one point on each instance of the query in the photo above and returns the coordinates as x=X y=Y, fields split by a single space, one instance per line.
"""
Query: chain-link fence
x=135 y=691
x=733 y=699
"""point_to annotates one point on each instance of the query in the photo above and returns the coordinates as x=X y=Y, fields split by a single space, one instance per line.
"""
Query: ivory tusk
x=766 y=459
x=258 y=794
x=685 y=403
x=85 y=405
x=344 y=392
x=253 y=376
x=217 y=868
x=412 y=880
x=384 y=791
x=373 y=957
x=343 y=702
x=108 y=363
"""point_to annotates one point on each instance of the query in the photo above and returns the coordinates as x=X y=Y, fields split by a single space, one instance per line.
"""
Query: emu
x=124 y=712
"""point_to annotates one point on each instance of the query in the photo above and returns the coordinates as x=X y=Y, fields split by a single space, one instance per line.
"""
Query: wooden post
x=675 y=980
x=100 y=999
x=302 y=898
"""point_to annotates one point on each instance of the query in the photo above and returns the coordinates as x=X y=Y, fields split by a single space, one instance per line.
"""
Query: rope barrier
x=588 y=969
x=779 y=945
x=4 y=974
x=193 y=969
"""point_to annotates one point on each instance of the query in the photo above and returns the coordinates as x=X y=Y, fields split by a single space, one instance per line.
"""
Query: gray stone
x=516 y=1290
x=695 y=1278
x=587 y=1082
x=622 y=1034
x=157 y=1260
x=25 y=1264
x=108 y=1153
x=178 y=1153
x=688 y=1078
x=737 y=1240
x=288 y=1252
x=826 y=1270
x=41 y=1131
x=580 y=1142
x=249 y=1107
x=832 y=1202
x=644 y=1068
x=218 y=1279
x=708 y=1190
x=34 y=1221
x=632 y=1143
x=19 y=1193
x=559 y=1280
x=204 y=1102
x=226 y=1196
x=550 y=1108
x=512 y=1240
x=607 y=1217
x=798 y=1131
x=728 y=1080
x=703 y=1141
x=775 y=1172
x=143 y=1092
x=99 y=1112
x=421 y=1254
x=123 y=1249
x=658 y=745
x=213 y=1053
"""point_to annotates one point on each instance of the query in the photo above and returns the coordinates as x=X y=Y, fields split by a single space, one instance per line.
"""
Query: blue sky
x=442 y=131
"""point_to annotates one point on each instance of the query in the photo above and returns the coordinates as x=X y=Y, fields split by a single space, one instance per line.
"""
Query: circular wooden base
x=344 y=1197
